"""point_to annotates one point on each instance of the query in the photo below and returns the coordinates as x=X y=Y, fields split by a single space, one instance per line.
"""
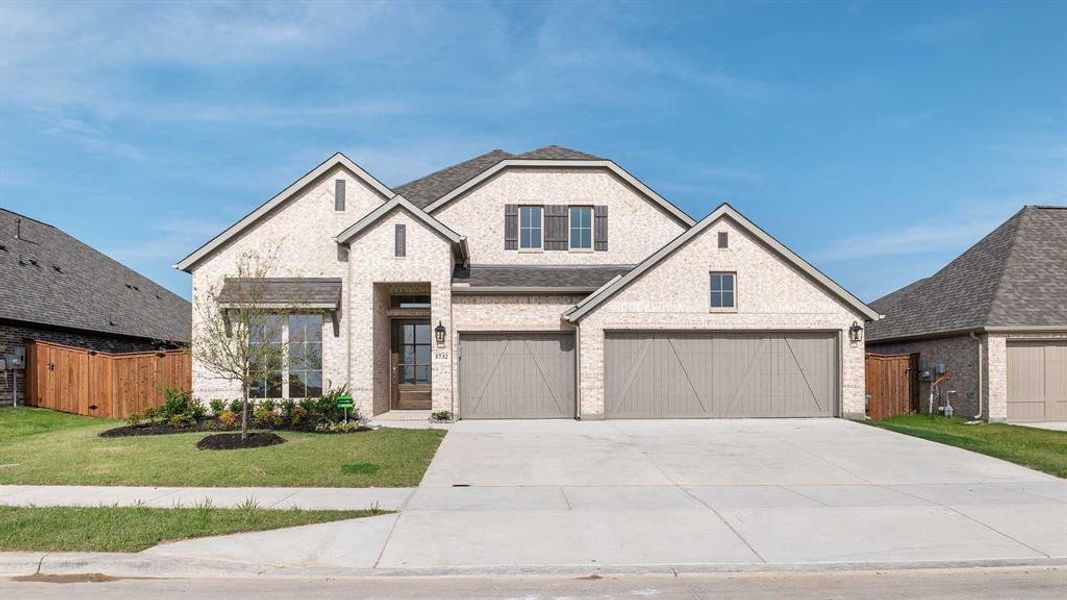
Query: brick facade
x=961 y=357
x=636 y=226
x=13 y=335
x=772 y=294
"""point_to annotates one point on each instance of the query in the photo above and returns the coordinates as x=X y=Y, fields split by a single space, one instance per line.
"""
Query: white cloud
x=952 y=230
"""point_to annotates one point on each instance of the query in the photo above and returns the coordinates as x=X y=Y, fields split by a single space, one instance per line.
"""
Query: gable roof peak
x=587 y=305
x=554 y=152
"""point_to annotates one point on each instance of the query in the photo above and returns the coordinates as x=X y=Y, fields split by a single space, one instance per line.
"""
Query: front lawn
x=1035 y=448
x=130 y=529
x=44 y=447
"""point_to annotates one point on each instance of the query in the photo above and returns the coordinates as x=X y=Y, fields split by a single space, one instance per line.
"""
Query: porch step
x=403 y=415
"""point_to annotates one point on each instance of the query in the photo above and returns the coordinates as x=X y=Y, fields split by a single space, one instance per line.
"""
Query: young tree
x=238 y=334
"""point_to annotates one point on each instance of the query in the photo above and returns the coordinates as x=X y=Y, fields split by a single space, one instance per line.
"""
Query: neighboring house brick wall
x=674 y=295
x=637 y=227
x=14 y=335
x=960 y=355
x=505 y=313
x=300 y=235
x=375 y=274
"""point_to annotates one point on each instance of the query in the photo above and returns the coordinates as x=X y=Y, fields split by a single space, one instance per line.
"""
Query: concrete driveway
x=537 y=494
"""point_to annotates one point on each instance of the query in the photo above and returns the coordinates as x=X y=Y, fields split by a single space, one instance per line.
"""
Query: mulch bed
x=232 y=441
x=158 y=429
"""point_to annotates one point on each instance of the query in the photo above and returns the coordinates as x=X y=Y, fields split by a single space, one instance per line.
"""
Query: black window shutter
x=401 y=241
x=600 y=228
x=511 y=226
x=556 y=227
x=339 y=194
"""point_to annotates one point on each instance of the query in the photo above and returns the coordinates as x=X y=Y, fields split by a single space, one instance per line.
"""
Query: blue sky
x=878 y=140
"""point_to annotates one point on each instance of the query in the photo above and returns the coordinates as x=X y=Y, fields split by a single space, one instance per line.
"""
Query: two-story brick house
x=546 y=284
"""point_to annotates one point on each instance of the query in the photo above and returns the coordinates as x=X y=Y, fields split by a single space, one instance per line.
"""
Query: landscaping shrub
x=265 y=416
x=441 y=416
x=217 y=405
x=228 y=419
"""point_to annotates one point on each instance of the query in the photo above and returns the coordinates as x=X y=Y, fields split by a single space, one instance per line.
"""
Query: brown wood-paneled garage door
x=717 y=375
x=516 y=375
x=1037 y=381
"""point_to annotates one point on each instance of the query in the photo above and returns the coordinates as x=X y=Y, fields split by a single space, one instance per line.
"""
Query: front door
x=410 y=364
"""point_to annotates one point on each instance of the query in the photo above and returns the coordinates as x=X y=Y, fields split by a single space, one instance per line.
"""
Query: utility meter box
x=16 y=359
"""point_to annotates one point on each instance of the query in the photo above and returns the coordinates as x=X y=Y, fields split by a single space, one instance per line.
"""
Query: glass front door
x=411 y=369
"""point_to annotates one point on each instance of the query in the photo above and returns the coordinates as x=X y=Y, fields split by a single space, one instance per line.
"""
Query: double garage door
x=719 y=375
x=652 y=375
x=1037 y=381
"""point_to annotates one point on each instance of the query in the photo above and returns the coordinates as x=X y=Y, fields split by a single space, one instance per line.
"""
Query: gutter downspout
x=979 y=340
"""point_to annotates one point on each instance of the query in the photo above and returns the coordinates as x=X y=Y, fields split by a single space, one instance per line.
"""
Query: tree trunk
x=244 y=418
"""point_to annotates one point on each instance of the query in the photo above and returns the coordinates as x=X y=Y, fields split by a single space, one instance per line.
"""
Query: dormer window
x=530 y=227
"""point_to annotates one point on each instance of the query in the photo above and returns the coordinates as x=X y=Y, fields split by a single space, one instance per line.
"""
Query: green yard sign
x=345 y=402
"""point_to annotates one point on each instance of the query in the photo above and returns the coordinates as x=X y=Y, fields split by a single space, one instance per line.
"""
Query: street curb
x=123 y=565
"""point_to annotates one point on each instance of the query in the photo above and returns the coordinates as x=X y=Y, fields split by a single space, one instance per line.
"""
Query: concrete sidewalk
x=170 y=497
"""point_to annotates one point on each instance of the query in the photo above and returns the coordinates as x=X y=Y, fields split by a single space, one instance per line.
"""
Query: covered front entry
x=719 y=374
x=1037 y=381
x=516 y=375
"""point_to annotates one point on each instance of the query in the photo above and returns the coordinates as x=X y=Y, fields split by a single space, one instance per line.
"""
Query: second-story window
x=581 y=223
x=529 y=227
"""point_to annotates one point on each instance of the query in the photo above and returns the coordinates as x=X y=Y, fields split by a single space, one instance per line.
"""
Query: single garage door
x=516 y=375
x=717 y=375
x=1037 y=381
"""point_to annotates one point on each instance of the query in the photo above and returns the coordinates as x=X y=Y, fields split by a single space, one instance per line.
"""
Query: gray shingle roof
x=50 y=278
x=1015 y=276
x=284 y=291
x=424 y=190
x=588 y=277
x=557 y=153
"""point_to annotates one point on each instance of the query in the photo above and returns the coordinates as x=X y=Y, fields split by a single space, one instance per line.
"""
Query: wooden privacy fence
x=892 y=384
x=99 y=384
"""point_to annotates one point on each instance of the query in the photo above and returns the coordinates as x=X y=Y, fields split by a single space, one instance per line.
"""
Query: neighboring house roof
x=310 y=292
x=1015 y=277
x=329 y=164
x=50 y=278
x=724 y=210
x=401 y=203
x=500 y=279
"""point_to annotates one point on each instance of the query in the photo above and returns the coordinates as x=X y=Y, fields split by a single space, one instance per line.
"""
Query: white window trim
x=723 y=309
x=592 y=229
x=533 y=249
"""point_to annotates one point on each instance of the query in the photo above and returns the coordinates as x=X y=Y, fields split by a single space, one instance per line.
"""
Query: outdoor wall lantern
x=855 y=333
x=439 y=333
